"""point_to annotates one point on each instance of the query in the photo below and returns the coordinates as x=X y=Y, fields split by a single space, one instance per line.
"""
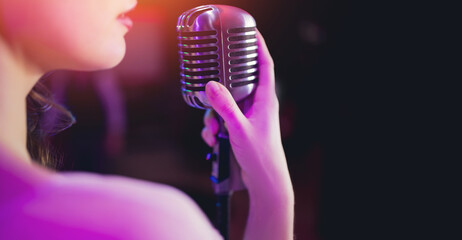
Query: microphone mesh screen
x=199 y=53
x=242 y=45
x=217 y=43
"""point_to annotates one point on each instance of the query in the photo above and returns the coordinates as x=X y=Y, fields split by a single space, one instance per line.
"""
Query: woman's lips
x=126 y=21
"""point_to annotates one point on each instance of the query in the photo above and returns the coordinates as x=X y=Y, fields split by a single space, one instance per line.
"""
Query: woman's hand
x=256 y=142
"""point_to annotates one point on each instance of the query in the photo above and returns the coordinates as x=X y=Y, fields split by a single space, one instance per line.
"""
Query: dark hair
x=45 y=118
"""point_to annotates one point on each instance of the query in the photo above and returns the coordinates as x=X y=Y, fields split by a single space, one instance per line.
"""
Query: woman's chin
x=106 y=61
x=104 y=65
x=91 y=58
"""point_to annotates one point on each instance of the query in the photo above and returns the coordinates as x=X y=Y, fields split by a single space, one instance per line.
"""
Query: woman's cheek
x=89 y=43
x=100 y=41
x=104 y=51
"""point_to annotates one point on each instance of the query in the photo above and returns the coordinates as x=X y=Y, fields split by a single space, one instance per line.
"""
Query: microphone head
x=217 y=43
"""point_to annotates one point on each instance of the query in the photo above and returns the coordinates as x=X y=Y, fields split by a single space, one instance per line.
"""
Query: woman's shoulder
x=118 y=207
x=119 y=188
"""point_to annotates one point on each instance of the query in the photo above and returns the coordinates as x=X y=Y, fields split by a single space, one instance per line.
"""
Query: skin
x=43 y=35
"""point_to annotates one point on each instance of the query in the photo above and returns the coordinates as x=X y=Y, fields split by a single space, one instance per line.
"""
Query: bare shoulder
x=120 y=208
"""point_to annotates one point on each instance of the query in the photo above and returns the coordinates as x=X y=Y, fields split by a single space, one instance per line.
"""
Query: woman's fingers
x=265 y=100
x=208 y=136
x=264 y=56
x=210 y=121
x=223 y=103
x=266 y=82
x=211 y=128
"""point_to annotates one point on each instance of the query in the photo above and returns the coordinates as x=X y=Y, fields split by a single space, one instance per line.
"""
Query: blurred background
x=345 y=126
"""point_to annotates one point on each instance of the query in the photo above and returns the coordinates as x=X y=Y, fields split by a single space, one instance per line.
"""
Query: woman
x=42 y=35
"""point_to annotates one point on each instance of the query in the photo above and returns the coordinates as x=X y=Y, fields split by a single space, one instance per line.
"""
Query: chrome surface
x=217 y=43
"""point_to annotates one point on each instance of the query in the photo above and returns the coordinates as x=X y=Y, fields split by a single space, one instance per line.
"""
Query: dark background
x=364 y=117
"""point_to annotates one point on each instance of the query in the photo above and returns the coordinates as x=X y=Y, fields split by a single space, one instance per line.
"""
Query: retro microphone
x=219 y=43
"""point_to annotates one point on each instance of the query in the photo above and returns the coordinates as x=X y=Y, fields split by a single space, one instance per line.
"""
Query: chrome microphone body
x=218 y=43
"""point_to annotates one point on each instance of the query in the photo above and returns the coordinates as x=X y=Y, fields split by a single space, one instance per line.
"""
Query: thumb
x=223 y=103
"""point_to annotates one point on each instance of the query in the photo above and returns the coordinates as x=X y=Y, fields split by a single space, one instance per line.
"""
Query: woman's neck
x=17 y=77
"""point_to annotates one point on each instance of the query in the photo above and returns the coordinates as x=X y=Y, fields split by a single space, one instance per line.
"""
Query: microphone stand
x=225 y=178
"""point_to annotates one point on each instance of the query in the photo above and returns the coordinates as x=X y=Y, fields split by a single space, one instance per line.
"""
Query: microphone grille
x=199 y=56
x=243 y=56
x=217 y=43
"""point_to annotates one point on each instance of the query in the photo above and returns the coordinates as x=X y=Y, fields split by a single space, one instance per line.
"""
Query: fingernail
x=212 y=86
